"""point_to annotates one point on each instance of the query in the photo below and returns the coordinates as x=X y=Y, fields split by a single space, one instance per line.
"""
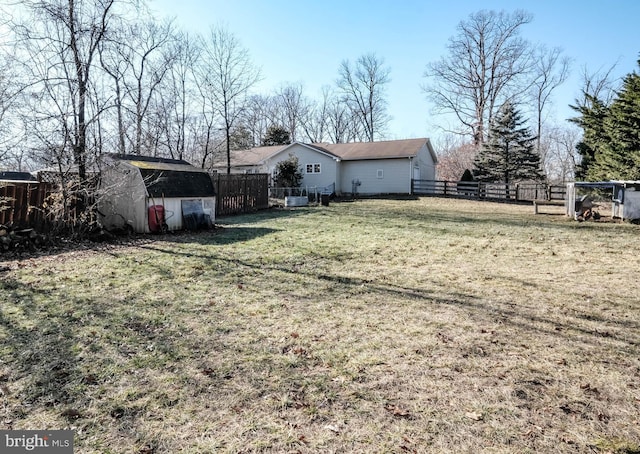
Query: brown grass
x=427 y=325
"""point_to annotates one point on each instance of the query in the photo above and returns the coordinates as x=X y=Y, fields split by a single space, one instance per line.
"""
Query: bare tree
x=178 y=100
x=228 y=75
x=116 y=55
x=455 y=155
x=259 y=113
x=151 y=58
x=10 y=102
x=488 y=63
x=552 y=70
x=597 y=85
x=363 y=88
x=62 y=41
x=315 y=123
x=341 y=125
x=559 y=153
x=292 y=107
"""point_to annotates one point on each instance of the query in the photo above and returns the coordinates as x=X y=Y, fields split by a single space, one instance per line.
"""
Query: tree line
x=79 y=78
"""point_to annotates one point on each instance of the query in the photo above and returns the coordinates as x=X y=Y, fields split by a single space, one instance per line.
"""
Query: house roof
x=355 y=151
x=389 y=149
x=253 y=156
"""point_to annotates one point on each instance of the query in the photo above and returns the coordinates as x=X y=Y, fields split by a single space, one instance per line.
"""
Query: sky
x=304 y=41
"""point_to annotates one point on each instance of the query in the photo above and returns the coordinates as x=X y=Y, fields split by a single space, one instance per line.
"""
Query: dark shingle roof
x=135 y=157
x=17 y=176
x=173 y=183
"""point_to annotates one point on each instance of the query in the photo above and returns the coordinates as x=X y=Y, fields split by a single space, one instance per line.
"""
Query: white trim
x=314 y=166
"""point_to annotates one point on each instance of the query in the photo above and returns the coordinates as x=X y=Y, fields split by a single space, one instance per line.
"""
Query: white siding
x=173 y=210
x=424 y=161
x=396 y=176
x=306 y=155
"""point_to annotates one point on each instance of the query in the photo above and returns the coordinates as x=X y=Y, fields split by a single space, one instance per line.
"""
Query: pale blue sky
x=305 y=41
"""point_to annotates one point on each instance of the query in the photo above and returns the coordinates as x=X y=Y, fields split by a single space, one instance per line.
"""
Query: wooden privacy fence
x=489 y=191
x=21 y=203
x=240 y=193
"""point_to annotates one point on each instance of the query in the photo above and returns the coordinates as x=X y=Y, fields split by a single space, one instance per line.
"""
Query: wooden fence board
x=240 y=193
x=490 y=191
x=21 y=203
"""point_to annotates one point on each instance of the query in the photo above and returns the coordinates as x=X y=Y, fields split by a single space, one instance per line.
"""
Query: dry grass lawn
x=429 y=325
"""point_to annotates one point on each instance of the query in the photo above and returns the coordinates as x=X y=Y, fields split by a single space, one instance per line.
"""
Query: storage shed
x=151 y=195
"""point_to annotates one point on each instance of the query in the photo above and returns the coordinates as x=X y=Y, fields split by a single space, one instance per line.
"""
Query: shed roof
x=17 y=176
x=174 y=183
x=165 y=177
x=150 y=162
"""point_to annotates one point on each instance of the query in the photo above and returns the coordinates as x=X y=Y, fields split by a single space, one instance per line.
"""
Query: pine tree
x=620 y=157
x=509 y=154
x=276 y=135
x=593 y=115
x=610 y=146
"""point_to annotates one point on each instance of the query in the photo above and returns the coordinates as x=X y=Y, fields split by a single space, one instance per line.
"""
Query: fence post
x=245 y=196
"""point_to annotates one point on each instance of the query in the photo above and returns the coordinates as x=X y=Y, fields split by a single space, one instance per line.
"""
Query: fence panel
x=240 y=193
x=493 y=191
x=21 y=203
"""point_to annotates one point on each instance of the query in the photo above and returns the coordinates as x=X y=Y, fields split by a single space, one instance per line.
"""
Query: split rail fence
x=516 y=192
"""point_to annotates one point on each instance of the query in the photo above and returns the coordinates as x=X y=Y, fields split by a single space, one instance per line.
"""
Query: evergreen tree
x=509 y=154
x=276 y=135
x=592 y=120
x=288 y=173
x=620 y=159
x=610 y=147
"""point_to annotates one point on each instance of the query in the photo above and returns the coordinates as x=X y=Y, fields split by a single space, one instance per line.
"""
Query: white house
x=147 y=194
x=385 y=167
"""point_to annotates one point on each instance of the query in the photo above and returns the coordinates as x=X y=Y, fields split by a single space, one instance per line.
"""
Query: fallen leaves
x=397 y=411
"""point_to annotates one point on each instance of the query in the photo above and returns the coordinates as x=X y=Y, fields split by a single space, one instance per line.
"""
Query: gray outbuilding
x=151 y=195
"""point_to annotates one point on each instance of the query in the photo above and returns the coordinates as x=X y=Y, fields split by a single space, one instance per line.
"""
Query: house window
x=380 y=173
x=313 y=168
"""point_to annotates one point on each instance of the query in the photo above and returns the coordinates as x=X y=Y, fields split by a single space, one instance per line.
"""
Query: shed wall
x=122 y=198
x=173 y=210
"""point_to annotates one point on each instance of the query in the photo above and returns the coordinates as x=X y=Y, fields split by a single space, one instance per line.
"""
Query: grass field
x=429 y=325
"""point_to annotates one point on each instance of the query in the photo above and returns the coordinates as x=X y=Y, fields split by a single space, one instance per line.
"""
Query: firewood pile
x=12 y=238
